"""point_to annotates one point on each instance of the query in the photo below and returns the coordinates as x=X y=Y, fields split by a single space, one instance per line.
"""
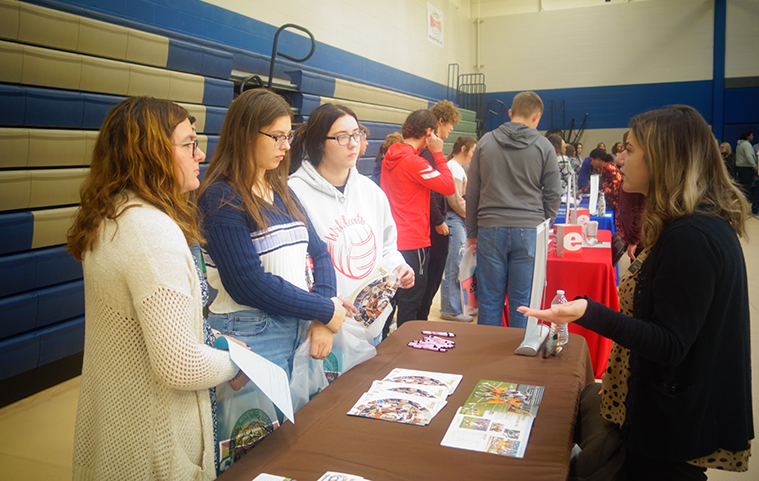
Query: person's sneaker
x=458 y=317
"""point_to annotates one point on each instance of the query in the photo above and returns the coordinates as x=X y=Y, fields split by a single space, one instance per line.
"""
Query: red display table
x=593 y=275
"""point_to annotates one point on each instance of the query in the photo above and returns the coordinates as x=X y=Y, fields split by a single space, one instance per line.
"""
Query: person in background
x=729 y=157
x=513 y=187
x=616 y=149
x=578 y=149
x=147 y=363
x=364 y=142
x=610 y=179
x=390 y=139
x=583 y=178
x=407 y=180
x=746 y=164
x=447 y=116
x=258 y=238
x=450 y=289
x=565 y=165
x=569 y=151
x=690 y=290
x=349 y=212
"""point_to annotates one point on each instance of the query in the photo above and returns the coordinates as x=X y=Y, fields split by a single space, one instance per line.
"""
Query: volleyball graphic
x=353 y=247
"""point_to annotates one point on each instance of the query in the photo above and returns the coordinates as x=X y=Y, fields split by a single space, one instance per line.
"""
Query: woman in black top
x=686 y=400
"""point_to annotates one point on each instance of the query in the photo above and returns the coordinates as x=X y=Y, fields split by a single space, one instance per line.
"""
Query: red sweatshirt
x=407 y=180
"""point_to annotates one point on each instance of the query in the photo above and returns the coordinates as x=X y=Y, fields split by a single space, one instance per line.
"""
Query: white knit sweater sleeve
x=158 y=267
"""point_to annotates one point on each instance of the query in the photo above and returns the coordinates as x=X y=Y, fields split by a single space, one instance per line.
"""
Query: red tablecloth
x=591 y=275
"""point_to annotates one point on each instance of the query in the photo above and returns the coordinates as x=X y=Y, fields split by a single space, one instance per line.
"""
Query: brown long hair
x=133 y=152
x=234 y=161
x=686 y=172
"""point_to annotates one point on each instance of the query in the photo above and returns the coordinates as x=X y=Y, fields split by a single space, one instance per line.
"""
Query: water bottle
x=601 y=204
x=561 y=329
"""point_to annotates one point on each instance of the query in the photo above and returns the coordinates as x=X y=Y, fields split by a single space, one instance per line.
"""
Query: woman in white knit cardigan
x=144 y=405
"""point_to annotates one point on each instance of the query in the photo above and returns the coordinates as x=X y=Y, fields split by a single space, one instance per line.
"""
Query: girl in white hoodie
x=349 y=212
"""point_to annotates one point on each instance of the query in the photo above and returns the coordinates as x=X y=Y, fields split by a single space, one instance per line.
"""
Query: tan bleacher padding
x=72 y=71
x=37 y=25
x=9 y=15
x=199 y=112
x=15 y=189
x=51 y=68
x=104 y=76
x=372 y=113
x=50 y=226
x=45 y=26
x=12 y=61
x=187 y=87
x=14 y=145
x=53 y=148
x=148 y=81
x=147 y=48
x=101 y=39
x=92 y=137
x=346 y=90
x=51 y=187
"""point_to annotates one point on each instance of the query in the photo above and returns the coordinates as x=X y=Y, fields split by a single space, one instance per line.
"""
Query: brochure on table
x=407 y=396
x=372 y=300
x=496 y=418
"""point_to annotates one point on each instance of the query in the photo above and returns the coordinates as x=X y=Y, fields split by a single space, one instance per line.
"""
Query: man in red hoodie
x=407 y=180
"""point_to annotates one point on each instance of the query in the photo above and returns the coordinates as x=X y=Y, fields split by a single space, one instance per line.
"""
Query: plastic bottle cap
x=559 y=293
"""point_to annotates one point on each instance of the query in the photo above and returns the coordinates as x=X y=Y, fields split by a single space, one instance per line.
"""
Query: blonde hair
x=728 y=148
x=133 y=152
x=686 y=172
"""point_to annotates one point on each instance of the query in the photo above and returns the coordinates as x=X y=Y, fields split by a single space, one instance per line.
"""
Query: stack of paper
x=407 y=396
x=496 y=418
x=333 y=476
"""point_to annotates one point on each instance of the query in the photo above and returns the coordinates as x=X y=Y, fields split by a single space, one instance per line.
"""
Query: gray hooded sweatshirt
x=513 y=180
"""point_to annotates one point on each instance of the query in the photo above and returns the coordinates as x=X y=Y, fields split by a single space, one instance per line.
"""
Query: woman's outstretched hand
x=561 y=314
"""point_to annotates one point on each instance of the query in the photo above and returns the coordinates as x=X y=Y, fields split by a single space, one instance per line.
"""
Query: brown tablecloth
x=325 y=438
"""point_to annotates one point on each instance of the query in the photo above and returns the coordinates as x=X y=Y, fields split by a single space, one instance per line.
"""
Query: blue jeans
x=450 y=290
x=505 y=257
x=270 y=336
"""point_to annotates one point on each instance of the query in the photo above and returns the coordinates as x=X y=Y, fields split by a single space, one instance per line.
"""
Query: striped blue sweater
x=263 y=269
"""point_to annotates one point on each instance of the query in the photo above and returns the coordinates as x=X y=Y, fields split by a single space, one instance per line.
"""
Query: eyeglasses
x=343 y=139
x=279 y=139
x=194 y=144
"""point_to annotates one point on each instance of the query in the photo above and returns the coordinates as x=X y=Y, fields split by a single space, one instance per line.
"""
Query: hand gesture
x=321 y=340
x=561 y=314
x=434 y=143
x=405 y=275
x=338 y=317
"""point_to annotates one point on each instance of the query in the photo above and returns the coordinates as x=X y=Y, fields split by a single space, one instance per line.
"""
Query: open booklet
x=496 y=418
x=407 y=396
x=372 y=300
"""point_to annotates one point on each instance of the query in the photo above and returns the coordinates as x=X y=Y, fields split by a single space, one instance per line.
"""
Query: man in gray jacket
x=513 y=186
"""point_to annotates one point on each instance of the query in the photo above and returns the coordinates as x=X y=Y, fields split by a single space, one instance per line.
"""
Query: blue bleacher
x=37 y=269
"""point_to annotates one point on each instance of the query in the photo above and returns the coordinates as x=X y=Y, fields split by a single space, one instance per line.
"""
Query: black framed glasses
x=194 y=144
x=343 y=139
x=279 y=139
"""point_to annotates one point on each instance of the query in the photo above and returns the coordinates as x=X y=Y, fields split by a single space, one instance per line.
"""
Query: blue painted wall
x=612 y=106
